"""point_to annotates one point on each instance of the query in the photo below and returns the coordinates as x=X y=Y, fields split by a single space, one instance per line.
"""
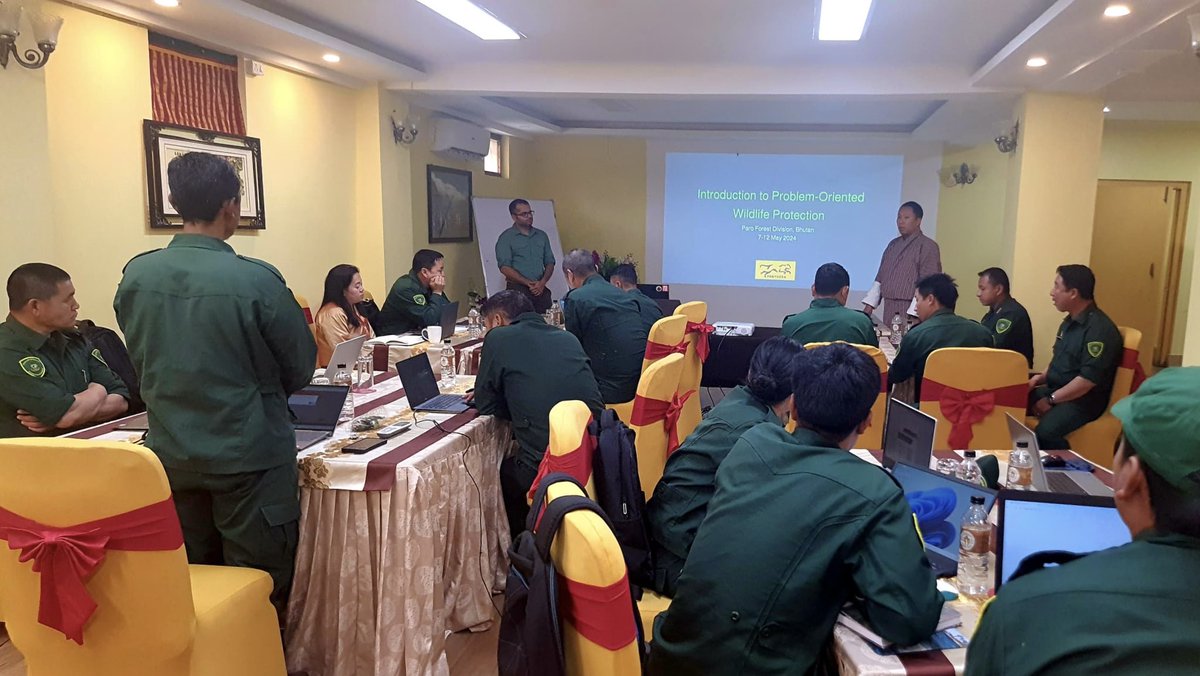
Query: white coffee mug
x=432 y=333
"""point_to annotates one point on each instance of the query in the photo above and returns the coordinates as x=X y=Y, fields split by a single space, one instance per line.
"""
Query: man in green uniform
x=624 y=277
x=681 y=496
x=527 y=367
x=51 y=378
x=1006 y=318
x=797 y=527
x=827 y=318
x=936 y=298
x=524 y=256
x=1075 y=388
x=220 y=343
x=608 y=324
x=416 y=299
x=1130 y=609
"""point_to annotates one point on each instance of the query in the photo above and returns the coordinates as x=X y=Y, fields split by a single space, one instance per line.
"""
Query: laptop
x=449 y=319
x=655 y=291
x=939 y=503
x=347 y=352
x=135 y=423
x=421 y=388
x=907 y=435
x=1036 y=522
x=315 y=410
x=1071 y=482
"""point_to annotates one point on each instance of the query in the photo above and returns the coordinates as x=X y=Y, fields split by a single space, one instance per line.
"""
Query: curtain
x=195 y=92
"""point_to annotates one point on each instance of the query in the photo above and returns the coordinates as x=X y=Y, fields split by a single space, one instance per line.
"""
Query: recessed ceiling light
x=167 y=3
x=1036 y=62
x=1107 y=109
x=473 y=18
x=1114 y=11
x=843 y=20
x=331 y=58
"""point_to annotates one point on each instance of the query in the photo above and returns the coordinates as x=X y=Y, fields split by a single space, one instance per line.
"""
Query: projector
x=733 y=329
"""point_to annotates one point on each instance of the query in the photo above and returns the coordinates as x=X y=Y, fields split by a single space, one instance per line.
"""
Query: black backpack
x=530 y=631
x=619 y=493
x=117 y=357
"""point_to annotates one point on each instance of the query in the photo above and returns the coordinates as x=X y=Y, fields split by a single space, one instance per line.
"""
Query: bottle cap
x=969 y=454
x=976 y=499
x=1023 y=444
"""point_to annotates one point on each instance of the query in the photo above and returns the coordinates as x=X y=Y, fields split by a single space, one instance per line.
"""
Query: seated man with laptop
x=1128 y=609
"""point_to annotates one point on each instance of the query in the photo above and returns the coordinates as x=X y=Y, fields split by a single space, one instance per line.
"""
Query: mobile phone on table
x=362 y=446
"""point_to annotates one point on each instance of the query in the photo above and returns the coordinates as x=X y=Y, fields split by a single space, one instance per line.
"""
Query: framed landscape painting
x=449 y=193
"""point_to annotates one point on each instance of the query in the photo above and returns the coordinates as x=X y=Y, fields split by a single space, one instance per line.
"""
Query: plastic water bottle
x=473 y=326
x=897 y=327
x=343 y=378
x=948 y=466
x=974 y=571
x=556 y=312
x=1020 y=468
x=447 y=364
x=968 y=469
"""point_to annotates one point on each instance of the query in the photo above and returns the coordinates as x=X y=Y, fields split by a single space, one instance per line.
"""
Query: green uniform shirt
x=527 y=254
x=219 y=343
x=42 y=374
x=827 y=321
x=1089 y=346
x=609 y=325
x=650 y=310
x=943 y=329
x=410 y=305
x=681 y=497
x=527 y=367
x=796 y=528
x=1011 y=328
x=1127 y=610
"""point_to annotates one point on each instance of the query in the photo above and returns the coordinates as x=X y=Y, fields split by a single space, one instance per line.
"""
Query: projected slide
x=771 y=220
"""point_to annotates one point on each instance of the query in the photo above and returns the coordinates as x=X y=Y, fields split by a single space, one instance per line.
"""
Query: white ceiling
x=939 y=69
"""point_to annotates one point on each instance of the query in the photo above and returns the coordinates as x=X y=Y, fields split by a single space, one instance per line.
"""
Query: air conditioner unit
x=460 y=140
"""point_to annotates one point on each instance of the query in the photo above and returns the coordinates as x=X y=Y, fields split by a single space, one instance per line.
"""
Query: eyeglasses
x=523 y=214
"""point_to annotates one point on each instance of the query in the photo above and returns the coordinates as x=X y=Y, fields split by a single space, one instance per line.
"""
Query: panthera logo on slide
x=775 y=271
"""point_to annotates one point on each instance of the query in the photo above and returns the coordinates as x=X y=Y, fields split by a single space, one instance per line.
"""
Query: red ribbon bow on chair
x=964 y=409
x=65 y=558
x=703 y=329
x=647 y=411
x=656 y=351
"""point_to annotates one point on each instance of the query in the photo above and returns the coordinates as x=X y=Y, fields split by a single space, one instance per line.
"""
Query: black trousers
x=540 y=303
x=515 y=480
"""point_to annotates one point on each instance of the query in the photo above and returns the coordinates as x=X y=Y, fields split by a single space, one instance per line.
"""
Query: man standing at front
x=220 y=343
x=524 y=256
x=907 y=258
x=608 y=324
x=1075 y=388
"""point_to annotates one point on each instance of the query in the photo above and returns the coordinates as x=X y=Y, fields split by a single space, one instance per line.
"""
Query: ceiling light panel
x=843 y=20
x=473 y=18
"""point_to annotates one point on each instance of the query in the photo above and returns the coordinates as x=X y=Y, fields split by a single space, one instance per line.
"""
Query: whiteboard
x=492 y=218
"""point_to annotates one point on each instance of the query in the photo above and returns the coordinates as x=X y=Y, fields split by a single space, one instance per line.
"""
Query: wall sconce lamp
x=1006 y=143
x=964 y=175
x=405 y=131
x=45 y=34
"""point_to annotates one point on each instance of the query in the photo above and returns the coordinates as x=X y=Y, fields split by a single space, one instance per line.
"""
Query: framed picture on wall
x=449 y=192
x=165 y=142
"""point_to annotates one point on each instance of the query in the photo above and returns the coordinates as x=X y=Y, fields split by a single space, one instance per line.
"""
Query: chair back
x=667 y=333
x=872 y=438
x=659 y=383
x=144 y=618
x=308 y=313
x=1123 y=381
x=599 y=634
x=969 y=389
x=696 y=313
x=571 y=448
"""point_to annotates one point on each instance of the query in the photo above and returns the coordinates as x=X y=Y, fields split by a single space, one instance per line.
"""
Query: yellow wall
x=26 y=210
x=1163 y=151
x=970 y=227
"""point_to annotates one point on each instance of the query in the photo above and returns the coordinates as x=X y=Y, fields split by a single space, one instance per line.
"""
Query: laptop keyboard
x=443 y=401
x=1059 y=482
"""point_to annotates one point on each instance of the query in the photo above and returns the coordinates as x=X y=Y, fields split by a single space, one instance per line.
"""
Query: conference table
x=857 y=656
x=398 y=546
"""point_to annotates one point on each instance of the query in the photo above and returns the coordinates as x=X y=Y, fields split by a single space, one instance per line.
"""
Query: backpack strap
x=539 y=496
x=553 y=516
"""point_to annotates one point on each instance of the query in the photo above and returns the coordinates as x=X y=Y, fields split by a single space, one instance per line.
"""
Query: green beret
x=1162 y=422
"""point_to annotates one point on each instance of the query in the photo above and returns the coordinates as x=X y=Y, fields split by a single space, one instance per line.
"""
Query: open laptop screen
x=448 y=319
x=316 y=407
x=1037 y=522
x=939 y=503
x=416 y=376
x=908 y=435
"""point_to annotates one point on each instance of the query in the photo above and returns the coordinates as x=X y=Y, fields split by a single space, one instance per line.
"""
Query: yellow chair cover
x=666 y=331
x=972 y=369
x=696 y=312
x=1097 y=439
x=586 y=551
x=872 y=438
x=155 y=615
x=659 y=382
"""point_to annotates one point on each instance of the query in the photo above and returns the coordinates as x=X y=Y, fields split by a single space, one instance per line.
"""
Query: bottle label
x=1020 y=476
x=973 y=541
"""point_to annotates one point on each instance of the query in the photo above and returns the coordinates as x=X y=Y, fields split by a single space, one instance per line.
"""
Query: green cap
x=1162 y=421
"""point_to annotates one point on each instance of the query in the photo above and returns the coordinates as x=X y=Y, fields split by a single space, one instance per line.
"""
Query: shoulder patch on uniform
x=32 y=366
x=263 y=264
x=1095 y=348
x=99 y=357
x=419 y=299
x=1003 y=325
